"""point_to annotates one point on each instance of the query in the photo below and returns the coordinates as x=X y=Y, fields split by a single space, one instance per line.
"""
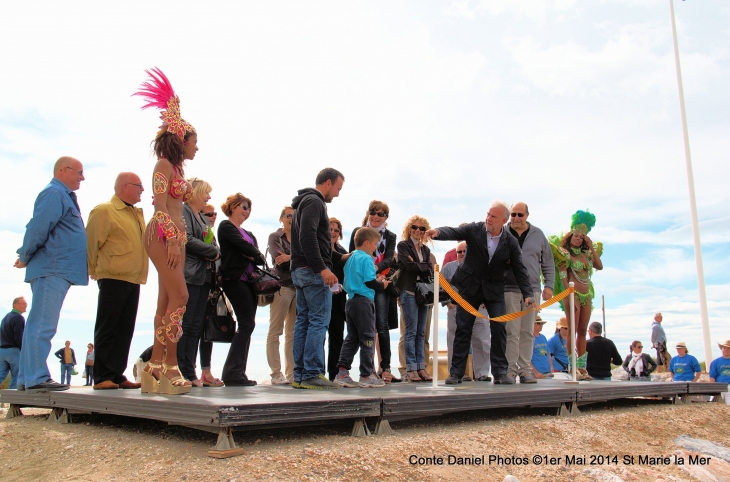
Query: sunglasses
x=380 y=214
x=461 y=252
x=638 y=346
x=519 y=215
x=245 y=207
x=416 y=228
x=288 y=216
x=210 y=215
x=334 y=230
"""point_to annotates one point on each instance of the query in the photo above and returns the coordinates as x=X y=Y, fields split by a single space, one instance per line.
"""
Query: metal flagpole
x=435 y=331
x=692 y=201
x=603 y=309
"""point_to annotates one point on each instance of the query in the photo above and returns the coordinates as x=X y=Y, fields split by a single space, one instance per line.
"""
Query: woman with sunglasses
x=200 y=257
x=384 y=259
x=336 y=330
x=239 y=254
x=206 y=347
x=637 y=364
x=414 y=259
x=283 y=310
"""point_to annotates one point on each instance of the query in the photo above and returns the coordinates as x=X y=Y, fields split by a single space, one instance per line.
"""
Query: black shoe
x=48 y=386
x=245 y=382
x=453 y=380
x=505 y=380
x=484 y=378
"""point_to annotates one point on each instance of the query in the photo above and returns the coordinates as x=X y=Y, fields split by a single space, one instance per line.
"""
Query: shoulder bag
x=265 y=283
x=219 y=326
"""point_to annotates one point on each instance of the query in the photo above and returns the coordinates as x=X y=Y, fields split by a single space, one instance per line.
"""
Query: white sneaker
x=371 y=382
x=280 y=379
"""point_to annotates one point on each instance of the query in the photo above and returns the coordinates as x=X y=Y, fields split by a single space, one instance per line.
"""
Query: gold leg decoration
x=175 y=321
x=160 y=331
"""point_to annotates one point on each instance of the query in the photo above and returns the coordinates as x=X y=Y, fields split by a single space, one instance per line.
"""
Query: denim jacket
x=55 y=238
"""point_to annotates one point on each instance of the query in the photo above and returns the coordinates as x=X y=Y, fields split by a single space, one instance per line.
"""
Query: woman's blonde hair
x=283 y=211
x=200 y=188
x=407 y=227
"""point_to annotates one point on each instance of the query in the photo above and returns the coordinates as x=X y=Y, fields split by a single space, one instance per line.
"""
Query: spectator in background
x=311 y=266
x=720 y=367
x=89 y=368
x=336 y=328
x=601 y=353
x=537 y=256
x=239 y=255
x=637 y=364
x=206 y=347
x=11 y=341
x=283 y=309
x=201 y=255
x=542 y=362
x=684 y=367
x=558 y=346
x=659 y=342
x=68 y=361
x=54 y=252
x=117 y=261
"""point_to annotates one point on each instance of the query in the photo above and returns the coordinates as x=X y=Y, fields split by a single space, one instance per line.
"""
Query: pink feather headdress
x=158 y=92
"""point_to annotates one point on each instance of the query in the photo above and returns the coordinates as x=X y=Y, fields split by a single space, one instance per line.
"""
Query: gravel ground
x=101 y=447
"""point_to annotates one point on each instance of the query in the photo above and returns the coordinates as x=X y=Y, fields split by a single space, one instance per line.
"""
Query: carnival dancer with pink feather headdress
x=175 y=142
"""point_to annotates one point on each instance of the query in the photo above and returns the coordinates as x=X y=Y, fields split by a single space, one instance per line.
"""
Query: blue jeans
x=415 y=318
x=9 y=358
x=314 y=305
x=66 y=369
x=40 y=328
x=602 y=378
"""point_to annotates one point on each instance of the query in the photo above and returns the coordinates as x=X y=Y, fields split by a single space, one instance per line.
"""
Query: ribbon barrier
x=504 y=318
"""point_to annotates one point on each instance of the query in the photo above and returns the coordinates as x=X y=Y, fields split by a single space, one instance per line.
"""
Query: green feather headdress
x=582 y=222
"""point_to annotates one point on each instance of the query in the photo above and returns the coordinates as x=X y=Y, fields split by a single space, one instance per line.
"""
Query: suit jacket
x=478 y=276
x=410 y=269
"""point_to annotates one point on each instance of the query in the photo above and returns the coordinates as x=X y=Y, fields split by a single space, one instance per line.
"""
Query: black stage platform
x=223 y=410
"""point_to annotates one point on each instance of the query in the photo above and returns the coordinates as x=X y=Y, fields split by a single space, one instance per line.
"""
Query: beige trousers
x=520 y=337
x=283 y=314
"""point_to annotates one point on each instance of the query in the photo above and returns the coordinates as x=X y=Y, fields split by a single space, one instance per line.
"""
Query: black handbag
x=424 y=293
x=265 y=282
x=219 y=325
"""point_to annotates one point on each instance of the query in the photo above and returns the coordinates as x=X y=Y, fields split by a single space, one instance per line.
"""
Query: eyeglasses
x=380 y=214
x=81 y=172
x=288 y=216
x=139 y=186
x=461 y=252
x=638 y=346
x=245 y=207
x=210 y=215
x=334 y=230
x=519 y=215
x=416 y=228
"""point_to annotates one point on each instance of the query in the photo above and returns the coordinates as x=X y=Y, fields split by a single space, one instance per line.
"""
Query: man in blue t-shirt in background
x=542 y=363
x=557 y=346
x=720 y=367
x=360 y=284
x=684 y=367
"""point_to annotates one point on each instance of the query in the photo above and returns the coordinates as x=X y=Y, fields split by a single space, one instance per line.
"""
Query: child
x=360 y=284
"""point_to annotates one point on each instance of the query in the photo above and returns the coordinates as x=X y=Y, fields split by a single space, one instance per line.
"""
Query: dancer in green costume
x=575 y=258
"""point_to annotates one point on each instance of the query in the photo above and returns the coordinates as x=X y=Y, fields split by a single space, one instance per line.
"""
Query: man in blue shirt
x=542 y=363
x=54 y=255
x=557 y=346
x=11 y=340
x=720 y=367
x=684 y=367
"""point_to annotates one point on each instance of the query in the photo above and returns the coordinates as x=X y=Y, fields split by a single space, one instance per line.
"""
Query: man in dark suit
x=480 y=280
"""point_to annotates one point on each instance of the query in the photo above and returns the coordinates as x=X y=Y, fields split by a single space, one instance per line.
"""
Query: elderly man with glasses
x=119 y=264
x=54 y=253
x=538 y=259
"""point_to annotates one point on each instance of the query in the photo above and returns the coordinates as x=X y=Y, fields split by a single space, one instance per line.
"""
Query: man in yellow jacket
x=119 y=264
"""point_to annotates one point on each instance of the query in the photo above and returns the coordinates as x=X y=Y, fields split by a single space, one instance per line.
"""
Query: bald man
x=54 y=255
x=118 y=263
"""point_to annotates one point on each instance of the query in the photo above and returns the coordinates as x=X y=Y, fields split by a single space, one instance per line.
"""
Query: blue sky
x=435 y=108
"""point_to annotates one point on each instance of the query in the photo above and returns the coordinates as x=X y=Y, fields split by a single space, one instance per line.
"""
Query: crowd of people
x=502 y=265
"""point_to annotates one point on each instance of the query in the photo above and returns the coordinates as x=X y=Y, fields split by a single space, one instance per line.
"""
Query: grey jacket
x=537 y=256
x=197 y=252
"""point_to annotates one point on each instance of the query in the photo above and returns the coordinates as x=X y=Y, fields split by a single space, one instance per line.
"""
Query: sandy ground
x=101 y=447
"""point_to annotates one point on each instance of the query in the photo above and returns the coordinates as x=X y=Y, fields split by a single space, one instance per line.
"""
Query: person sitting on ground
x=720 y=367
x=601 y=353
x=684 y=367
x=542 y=362
x=637 y=364
x=361 y=285
x=557 y=346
